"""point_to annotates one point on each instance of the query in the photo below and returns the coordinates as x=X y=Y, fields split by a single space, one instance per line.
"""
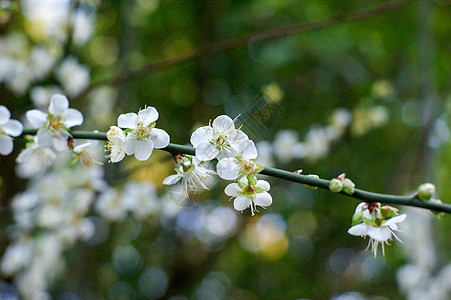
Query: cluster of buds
x=341 y=183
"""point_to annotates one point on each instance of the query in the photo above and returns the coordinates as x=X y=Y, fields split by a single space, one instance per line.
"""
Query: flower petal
x=130 y=144
x=72 y=117
x=380 y=234
x=128 y=120
x=13 y=127
x=263 y=199
x=6 y=144
x=359 y=230
x=223 y=124
x=241 y=203
x=392 y=221
x=238 y=136
x=247 y=149
x=200 y=135
x=60 y=143
x=144 y=150
x=58 y=104
x=172 y=179
x=206 y=151
x=36 y=117
x=263 y=184
x=228 y=168
x=44 y=137
x=232 y=190
x=5 y=115
x=148 y=115
x=159 y=137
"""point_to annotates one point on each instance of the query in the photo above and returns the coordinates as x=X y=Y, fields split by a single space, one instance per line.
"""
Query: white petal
x=172 y=179
x=117 y=154
x=359 y=230
x=130 y=145
x=36 y=117
x=13 y=128
x=248 y=149
x=223 y=124
x=241 y=203
x=148 y=115
x=128 y=120
x=380 y=234
x=58 y=104
x=6 y=144
x=392 y=222
x=72 y=117
x=144 y=150
x=206 y=151
x=232 y=190
x=238 y=136
x=5 y=115
x=60 y=143
x=159 y=137
x=44 y=137
x=228 y=168
x=200 y=135
x=263 y=199
x=263 y=184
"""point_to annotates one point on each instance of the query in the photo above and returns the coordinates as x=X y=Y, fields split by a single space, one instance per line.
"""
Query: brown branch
x=259 y=37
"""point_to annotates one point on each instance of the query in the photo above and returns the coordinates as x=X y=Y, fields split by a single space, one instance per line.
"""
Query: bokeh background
x=370 y=98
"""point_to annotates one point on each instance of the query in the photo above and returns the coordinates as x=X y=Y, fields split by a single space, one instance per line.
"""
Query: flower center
x=55 y=123
x=247 y=167
x=142 y=132
x=249 y=190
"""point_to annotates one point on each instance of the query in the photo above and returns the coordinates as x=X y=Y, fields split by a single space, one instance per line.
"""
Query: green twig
x=365 y=196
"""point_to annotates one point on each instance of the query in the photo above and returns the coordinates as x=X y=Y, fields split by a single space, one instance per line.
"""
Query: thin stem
x=254 y=38
x=412 y=200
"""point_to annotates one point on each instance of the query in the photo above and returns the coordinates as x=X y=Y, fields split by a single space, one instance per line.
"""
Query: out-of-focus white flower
x=83 y=155
x=34 y=158
x=247 y=194
x=82 y=26
x=41 y=95
x=55 y=124
x=286 y=146
x=8 y=128
x=192 y=174
x=264 y=151
x=241 y=165
x=16 y=256
x=219 y=139
x=73 y=76
x=143 y=136
x=110 y=204
x=141 y=199
x=41 y=62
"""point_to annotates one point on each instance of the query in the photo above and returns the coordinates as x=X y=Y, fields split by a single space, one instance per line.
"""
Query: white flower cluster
x=50 y=216
x=376 y=221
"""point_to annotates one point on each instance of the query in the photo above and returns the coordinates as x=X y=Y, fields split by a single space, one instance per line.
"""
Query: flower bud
x=335 y=185
x=426 y=191
x=436 y=213
x=348 y=186
x=310 y=186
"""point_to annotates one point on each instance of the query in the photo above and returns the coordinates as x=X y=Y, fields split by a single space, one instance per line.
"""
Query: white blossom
x=247 y=194
x=191 y=174
x=243 y=164
x=381 y=234
x=141 y=199
x=219 y=139
x=8 y=128
x=55 y=124
x=143 y=136
x=73 y=76
x=116 y=139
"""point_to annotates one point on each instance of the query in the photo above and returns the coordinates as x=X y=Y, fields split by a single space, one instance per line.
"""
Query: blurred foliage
x=375 y=61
